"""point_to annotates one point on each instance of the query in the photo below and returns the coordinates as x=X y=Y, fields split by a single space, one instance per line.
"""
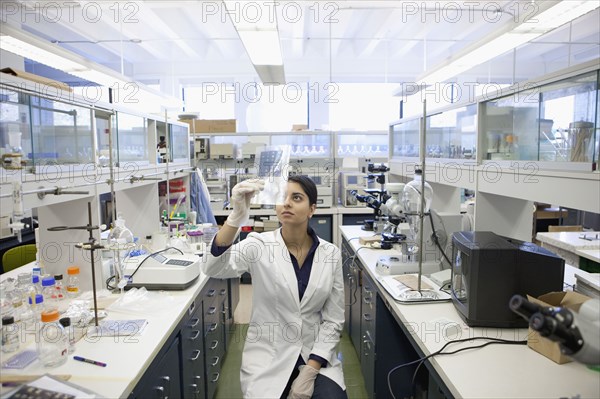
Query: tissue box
x=550 y=349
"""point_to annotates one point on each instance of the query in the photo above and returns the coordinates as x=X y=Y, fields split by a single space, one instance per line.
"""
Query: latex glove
x=241 y=194
x=304 y=385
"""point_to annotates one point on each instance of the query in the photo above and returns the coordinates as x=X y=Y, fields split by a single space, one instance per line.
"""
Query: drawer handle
x=195 y=389
x=214 y=345
x=216 y=378
x=223 y=291
x=210 y=293
x=225 y=310
x=196 y=355
x=192 y=307
x=367 y=300
x=213 y=327
x=367 y=317
x=167 y=379
x=194 y=322
x=195 y=335
x=161 y=391
x=211 y=310
x=215 y=360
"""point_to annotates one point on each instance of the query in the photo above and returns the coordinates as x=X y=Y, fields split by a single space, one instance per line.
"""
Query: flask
x=411 y=201
x=10 y=334
x=60 y=288
x=70 y=331
x=49 y=293
x=73 y=281
x=53 y=344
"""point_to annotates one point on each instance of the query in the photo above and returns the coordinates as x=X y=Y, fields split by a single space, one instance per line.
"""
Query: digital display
x=159 y=258
x=351 y=179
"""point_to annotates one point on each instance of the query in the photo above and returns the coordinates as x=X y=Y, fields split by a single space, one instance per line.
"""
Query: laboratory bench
x=577 y=248
x=178 y=354
x=387 y=334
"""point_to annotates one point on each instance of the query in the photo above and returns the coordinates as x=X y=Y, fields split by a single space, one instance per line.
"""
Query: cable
x=152 y=254
x=420 y=361
x=435 y=239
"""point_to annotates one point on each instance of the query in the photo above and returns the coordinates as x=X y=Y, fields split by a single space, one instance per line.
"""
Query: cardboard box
x=570 y=300
x=36 y=78
x=299 y=127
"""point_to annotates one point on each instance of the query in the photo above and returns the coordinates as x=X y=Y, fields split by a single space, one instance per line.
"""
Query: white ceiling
x=189 y=42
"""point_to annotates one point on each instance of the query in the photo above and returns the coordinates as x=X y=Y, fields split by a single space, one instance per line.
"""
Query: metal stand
x=91 y=246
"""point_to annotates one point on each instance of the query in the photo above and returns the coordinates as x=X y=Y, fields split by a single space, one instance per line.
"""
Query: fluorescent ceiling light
x=558 y=14
x=262 y=46
x=257 y=28
x=52 y=55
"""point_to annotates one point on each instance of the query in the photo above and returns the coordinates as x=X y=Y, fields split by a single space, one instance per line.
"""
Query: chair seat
x=18 y=256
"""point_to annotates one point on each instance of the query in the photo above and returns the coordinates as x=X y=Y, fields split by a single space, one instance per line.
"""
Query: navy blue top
x=302 y=275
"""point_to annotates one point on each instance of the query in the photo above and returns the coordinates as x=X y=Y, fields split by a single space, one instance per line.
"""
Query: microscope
x=578 y=333
x=375 y=197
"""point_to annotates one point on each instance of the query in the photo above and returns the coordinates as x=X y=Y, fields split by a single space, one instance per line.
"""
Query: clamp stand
x=91 y=246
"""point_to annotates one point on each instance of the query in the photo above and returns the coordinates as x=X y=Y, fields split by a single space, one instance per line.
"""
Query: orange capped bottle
x=73 y=281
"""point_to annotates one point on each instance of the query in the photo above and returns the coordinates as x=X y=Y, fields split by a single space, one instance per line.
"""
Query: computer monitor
x=488 y=269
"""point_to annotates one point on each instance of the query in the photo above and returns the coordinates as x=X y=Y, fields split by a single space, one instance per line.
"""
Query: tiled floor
x=229 y=382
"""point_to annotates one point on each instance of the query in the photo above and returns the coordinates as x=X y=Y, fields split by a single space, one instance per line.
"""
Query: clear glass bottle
x=53 y=343
x=60 y=288
x=73 y=281
x=37 y=307
x=36 y=281
x=14 y=298
x=10 y=334
x=411 y=201
x=70 y=331
x=49 y=293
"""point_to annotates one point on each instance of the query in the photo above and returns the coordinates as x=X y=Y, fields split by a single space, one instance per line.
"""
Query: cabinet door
x=161 y=380
x=355 y=310
x=322 y=225
x=192 y=352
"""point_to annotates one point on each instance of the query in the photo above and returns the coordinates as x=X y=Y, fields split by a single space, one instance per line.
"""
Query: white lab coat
x=282 y=327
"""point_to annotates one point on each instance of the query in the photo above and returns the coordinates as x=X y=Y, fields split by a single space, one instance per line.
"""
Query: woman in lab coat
x=298 y=297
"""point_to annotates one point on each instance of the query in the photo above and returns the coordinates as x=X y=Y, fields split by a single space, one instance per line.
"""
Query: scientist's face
x=296 y=208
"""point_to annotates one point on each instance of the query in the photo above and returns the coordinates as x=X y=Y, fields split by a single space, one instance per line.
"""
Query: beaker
x=580 y=140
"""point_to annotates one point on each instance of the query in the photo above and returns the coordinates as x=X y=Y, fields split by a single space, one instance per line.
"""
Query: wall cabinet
x=537 y=141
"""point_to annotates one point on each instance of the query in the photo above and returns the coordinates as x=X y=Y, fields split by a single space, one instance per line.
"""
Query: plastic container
x=70 y=331
x=411 y=201
x=49 y=293
x=10 y=334
x=53 y=343
x=209 y=233
x=73 y=282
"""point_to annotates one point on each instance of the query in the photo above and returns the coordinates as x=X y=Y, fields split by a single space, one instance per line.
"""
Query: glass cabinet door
x=452 y=134
x=179 y=143
x=305 y=145
x=553 y=123
x=15 y=119
x=405 y=138
x=356 y=144
x=61 y=132
x=132 y=137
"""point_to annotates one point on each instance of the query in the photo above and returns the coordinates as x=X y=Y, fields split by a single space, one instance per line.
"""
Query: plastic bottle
x=411 y=201
x=70 y=331
x=60 y=288
x=53 y=343
x=10 y=334
x=49 y=293
x=73 y=282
